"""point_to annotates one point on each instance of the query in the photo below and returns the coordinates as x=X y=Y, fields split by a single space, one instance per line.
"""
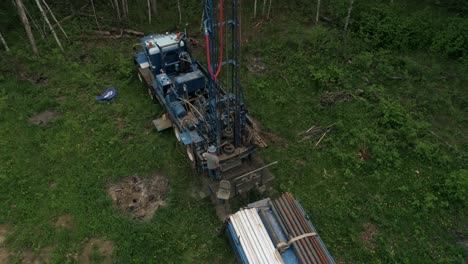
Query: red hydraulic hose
x=221 y=45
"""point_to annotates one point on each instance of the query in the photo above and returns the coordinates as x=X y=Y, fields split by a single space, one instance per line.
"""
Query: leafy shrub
x=327 y=77
x=453 y=40
x=457 y=186
x=383 y=27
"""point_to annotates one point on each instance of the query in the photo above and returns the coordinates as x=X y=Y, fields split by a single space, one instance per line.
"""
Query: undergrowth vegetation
x=388 y=182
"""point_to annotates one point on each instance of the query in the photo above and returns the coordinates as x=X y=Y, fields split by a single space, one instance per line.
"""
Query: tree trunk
x=42 y=33
x=154 y=7
x=4 y=43
x=269 y=8
x=48 y=23
x=180 y=12
x=317 y=16
x=264 y=6
x=126 y=8
x=56 y=21
x=149 y=11
x=122 y=4
x=116 y=4
x=27 y=27
x=255 y=8
x=350 y=9
x=95 y=16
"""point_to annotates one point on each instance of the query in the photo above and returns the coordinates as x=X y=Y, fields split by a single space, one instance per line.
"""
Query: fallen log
x=128 y=31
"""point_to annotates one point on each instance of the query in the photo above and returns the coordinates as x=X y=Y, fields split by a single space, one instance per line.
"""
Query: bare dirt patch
x=4 y=255
x=140 y=197
x=3 y=232
x=52 y=184
x=105 y=248
x=368 y=236
x=43 y=256
x=256 y=65
x=34 y=78
x=273 y=139
x=45 y=117
x=269 y=137
x=331 y=98
x=65 y=221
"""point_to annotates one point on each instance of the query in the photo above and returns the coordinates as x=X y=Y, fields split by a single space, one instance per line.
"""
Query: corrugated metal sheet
x=254 y=238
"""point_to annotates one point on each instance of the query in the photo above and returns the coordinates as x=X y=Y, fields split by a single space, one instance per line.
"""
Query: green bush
x=453 y=40
x=457 y=187
x=383 y=27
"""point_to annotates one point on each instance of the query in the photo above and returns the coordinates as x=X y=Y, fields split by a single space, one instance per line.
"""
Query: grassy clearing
x=406 y=203
x=90 y=145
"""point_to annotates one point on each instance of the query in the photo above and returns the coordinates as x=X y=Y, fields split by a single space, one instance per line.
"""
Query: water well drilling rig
x=203 y=108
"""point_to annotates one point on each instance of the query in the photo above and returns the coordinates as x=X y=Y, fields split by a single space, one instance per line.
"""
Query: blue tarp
x=108 y=96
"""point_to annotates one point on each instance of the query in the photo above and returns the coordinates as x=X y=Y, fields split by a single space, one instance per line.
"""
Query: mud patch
x=44 y=118
x=368 y=236
x=65 y=221
x=52 y=184
x=256 y=65
x=43 y=256
x=3 y=234
x=121 y=123
x=273 y=139
x=33 y=77
x=4 y=255
x=140 y=197
x=104 y=248
x=332 y=98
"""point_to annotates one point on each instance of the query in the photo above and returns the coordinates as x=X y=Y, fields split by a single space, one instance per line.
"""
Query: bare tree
x=55 y=19
x=4 y=43
x=42 y=33
x=317 y=16
x=125 y=9
x=269 y=8
x=149 y=11
x=350 y=9
x=27 y=27
x=95 y=17
x=154 y=7
x=48 y=23
x=180 y=12
x=255 y=8
x=117 y=8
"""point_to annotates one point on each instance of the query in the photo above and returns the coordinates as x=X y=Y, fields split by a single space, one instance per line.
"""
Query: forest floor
x=379 y=186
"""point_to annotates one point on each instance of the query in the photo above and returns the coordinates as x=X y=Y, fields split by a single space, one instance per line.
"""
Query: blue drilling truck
x=208 y=115
x=210 y=120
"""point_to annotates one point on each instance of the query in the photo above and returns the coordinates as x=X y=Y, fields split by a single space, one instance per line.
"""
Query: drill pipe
x=269 y=227
x=315 y=243
x=292 y=233
x=311 y=250
x=285 y=226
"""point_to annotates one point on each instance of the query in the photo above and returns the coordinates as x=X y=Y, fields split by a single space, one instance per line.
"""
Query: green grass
x=411 y=189
x=82 y=152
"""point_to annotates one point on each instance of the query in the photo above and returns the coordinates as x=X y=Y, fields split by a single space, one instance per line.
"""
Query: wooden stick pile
x=316 y=133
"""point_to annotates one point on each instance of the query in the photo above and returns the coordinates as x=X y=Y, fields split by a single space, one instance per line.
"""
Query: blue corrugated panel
x=234 y=239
